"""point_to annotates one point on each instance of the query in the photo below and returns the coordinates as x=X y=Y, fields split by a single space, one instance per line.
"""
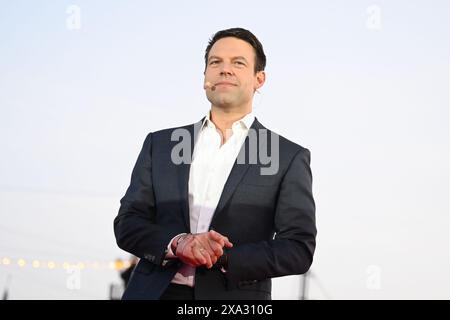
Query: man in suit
x=205 y=213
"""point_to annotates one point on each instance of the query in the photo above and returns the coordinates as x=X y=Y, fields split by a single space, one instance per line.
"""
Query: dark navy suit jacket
x=270 y=219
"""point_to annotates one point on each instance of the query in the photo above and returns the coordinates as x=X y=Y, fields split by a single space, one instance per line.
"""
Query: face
x=231 y=69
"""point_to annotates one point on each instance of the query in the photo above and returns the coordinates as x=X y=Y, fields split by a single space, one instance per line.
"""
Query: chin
x=221 y=101
x=225 y=103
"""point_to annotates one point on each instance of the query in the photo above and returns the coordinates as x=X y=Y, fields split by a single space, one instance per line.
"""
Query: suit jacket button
x=149 y=257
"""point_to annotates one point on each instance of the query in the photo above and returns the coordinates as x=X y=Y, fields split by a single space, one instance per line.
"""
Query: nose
x=226 y=70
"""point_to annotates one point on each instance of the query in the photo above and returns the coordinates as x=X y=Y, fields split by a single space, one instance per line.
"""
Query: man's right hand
x=201 y=248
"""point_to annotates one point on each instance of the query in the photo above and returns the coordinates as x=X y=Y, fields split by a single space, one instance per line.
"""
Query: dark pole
x=304 y=287
x=5 y=292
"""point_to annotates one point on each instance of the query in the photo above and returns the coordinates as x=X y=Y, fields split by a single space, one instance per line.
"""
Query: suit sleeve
x=135 y=227
x=292 y=249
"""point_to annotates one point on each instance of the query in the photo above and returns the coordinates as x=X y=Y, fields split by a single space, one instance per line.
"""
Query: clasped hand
x=201 y=248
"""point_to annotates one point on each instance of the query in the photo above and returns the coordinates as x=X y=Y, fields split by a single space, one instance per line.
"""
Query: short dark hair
x=243 y=34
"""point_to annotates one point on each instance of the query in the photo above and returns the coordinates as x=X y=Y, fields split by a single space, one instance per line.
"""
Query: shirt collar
x=245 y=122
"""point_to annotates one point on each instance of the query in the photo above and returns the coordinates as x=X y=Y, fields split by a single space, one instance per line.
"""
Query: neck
x=224 y=119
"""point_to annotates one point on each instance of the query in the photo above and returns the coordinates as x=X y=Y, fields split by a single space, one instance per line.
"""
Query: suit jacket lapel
x=184 y=170
x=237 y=172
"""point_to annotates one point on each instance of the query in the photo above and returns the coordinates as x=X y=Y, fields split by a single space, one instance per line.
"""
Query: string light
x=21 y=263
x=117 y=265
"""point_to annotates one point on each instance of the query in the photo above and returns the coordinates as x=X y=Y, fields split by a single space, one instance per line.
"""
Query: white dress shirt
x=211 y=165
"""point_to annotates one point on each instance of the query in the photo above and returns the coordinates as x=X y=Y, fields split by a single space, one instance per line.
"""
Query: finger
x=216 y=248
x=198 y=256
x=215 y=235
x=207 y=256
x=228 y=244
x=209 y=261
x=209 y=251
x=223 y=240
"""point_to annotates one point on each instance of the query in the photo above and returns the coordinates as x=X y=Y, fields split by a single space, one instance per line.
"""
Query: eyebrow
x=234 y=58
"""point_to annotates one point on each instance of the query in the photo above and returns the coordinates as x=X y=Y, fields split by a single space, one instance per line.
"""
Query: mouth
x=225 y=83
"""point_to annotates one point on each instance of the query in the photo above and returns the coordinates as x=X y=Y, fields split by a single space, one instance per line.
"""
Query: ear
x=260 y=79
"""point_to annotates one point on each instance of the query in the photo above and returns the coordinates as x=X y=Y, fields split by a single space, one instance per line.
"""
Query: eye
x=239 y=64
x=214 y=62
